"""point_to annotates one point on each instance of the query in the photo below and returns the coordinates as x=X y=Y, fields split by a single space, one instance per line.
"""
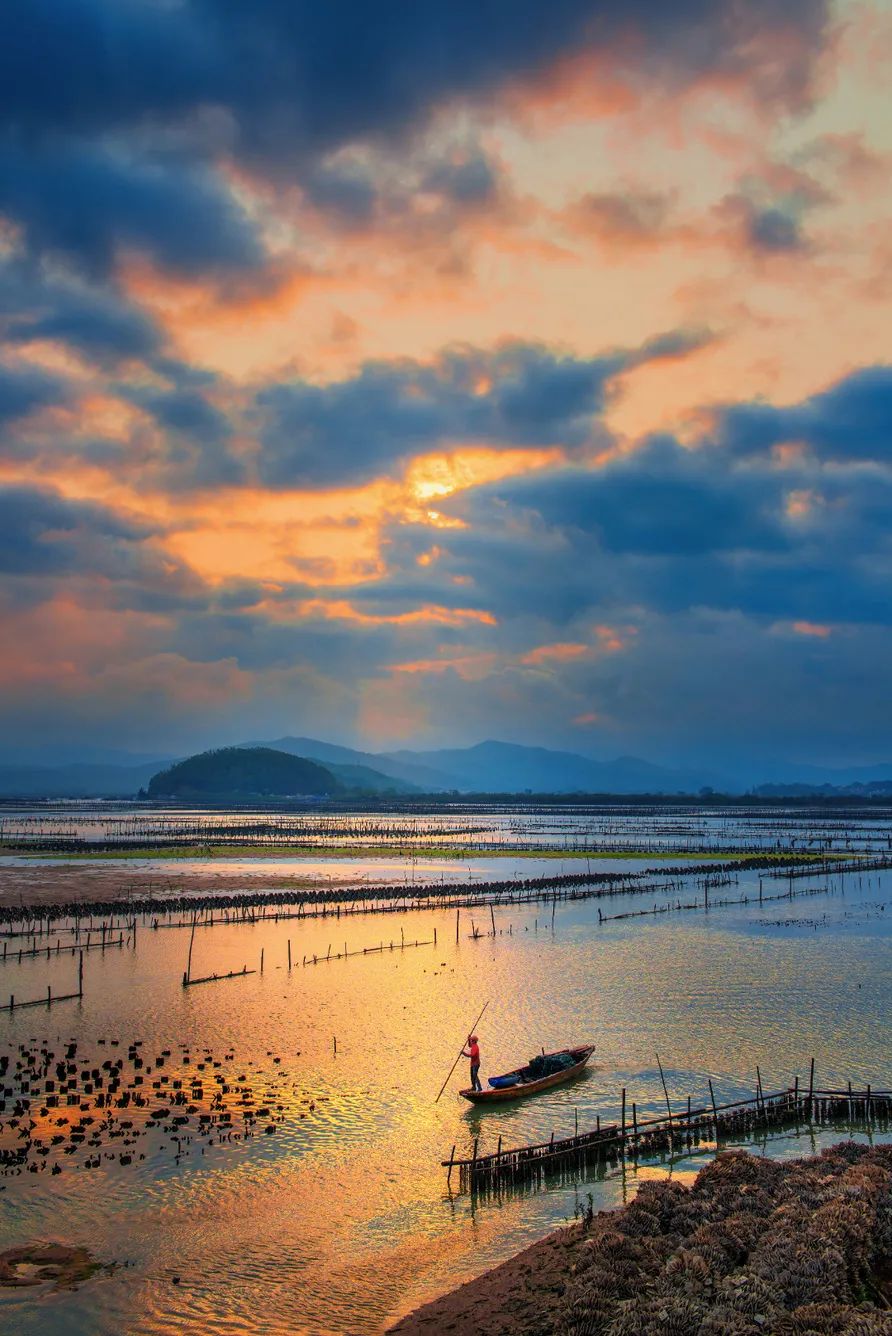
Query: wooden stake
x=188 y=975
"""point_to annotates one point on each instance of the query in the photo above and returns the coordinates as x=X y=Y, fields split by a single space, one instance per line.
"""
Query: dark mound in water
x=244 y=772
x=42 y=1263
x=755 y=1246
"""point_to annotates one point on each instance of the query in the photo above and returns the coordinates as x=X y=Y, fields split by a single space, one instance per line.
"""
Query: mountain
x=495 y=767
x=365 y=780
x=505 y=767
x=243 y=772
x=417 y=775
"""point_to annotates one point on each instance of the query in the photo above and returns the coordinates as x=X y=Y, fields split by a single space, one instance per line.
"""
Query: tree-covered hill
x=243 y=772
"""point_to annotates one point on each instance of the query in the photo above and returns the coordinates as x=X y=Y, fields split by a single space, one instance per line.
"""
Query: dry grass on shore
x=754 y=1247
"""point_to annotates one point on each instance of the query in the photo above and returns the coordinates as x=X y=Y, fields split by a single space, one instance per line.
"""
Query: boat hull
x=582 y=1053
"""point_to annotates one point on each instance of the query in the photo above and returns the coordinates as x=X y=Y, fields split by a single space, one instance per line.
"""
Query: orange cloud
x=433 y=477
x=469 y=667
x=817 y=629
x=612 y=639
x=800 y=504
x=558 y=653
x=342 y=610
x=590 y=717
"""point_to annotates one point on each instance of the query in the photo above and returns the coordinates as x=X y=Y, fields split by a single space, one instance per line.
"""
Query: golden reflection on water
x=340 y=1220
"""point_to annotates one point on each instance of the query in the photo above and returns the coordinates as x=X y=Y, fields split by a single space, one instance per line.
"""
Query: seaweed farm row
x=249 y=906
x=457 y=827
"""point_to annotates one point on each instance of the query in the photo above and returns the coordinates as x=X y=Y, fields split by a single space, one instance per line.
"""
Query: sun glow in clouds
x=538 y=382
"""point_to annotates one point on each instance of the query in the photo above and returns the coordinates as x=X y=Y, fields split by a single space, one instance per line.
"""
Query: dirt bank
x=91 y=883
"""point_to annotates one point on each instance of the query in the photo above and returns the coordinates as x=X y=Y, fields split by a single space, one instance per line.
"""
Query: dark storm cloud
x=194 y=445
x=348 y=193
x=84 y=203
x=663 y=499
x=294 y=74
x=49 y=541
x=773 y=230
x=24 y=389
x=95 y=322
x=357 y=195
x=850 y=421
x=40 y=529
x=469 y=181
x=521 y=395
x=185 y=411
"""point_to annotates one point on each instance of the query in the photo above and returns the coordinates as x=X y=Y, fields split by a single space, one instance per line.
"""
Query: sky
x=408 y=375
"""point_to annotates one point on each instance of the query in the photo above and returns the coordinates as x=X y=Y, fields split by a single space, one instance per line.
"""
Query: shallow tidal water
x=340 y=1222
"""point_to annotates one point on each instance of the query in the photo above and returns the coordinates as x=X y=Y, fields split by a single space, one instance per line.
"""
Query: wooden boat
x=526 y=1084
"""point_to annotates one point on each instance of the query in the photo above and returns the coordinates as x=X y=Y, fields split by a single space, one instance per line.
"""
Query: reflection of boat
x=525 y=1080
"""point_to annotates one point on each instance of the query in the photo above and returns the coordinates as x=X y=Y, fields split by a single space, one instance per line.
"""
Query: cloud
x=470 y=179
x=628 y=219
x=519 y=395
x=49 y=542
x=95 y=322
x=88 y=204
x=96 y=325
x=24 y=389
x=296 y=76
x=727 y=525
x=850 y=421
x=39 y=527
x=770 y=230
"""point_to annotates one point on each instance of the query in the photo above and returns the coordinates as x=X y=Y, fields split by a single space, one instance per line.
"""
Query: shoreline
x=754 y=1245
x=515 y=1296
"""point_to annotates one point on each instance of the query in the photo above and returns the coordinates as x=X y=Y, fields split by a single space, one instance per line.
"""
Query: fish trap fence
x=567 y=1156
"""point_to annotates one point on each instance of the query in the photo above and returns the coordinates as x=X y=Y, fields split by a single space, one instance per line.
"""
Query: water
x=340 y=1221
x=453 y=826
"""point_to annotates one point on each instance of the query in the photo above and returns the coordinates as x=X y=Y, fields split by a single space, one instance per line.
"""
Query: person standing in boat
x=473 y=1052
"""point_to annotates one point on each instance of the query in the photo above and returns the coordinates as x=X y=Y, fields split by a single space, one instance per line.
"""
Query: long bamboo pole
x=665 y=1091
x=460 y=1054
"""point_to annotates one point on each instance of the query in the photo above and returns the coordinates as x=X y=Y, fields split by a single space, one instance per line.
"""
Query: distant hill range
x=506 y=767
x=488 y=767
